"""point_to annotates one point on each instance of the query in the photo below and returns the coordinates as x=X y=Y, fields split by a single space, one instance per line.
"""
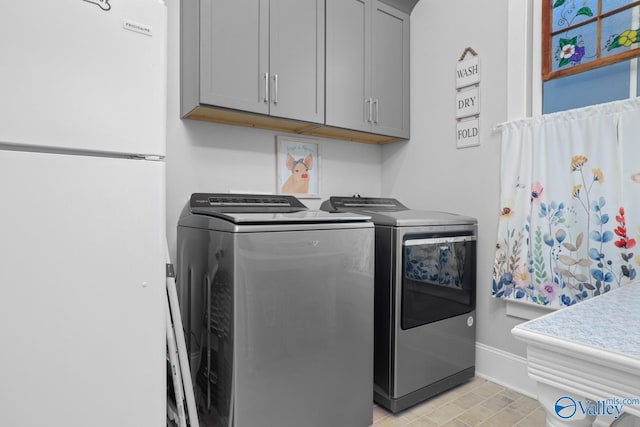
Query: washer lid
x=309 y=216
x=263 y=209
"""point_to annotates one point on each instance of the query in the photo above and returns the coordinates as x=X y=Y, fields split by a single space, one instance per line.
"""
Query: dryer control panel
x=356 y=203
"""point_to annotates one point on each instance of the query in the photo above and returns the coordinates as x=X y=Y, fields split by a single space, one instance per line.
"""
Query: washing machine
x=425 y=283
x=277 y=302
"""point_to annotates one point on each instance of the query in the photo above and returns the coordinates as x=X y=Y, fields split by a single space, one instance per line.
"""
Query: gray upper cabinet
x=234 y=53
x=367 y=67
x=348 y=64
x=390 y=71
x=259 y=56
x=328 y=68
x=297 y=42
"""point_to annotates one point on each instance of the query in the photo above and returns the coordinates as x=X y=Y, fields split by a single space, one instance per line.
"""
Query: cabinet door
x=234 y=54
x=297 y=59
x=390 y=71
x=348 y=64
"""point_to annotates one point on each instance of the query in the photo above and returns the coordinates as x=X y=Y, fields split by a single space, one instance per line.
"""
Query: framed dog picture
x=298 y=167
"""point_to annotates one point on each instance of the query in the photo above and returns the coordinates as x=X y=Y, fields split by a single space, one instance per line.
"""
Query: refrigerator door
x=84 y=75
x=83 y=288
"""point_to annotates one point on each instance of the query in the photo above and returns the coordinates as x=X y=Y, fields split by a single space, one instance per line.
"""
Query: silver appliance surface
x=412 y=218
x=388 y=211
x=424 y=314
x=302 y=216
x=279 y=318
x=234 y=212
x=433 y=352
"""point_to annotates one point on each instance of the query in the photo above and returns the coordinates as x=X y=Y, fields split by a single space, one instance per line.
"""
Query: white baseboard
x=510 y=370
x=506 y=369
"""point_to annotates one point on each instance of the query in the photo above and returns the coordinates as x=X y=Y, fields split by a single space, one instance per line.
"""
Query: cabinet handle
x=368 y=102
x=375 y=120
x=266 y=87
x=275 y=89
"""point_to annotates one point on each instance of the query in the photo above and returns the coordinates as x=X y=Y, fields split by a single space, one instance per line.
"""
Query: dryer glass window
x=439 y=275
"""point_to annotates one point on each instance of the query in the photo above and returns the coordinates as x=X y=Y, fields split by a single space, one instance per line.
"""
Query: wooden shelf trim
x=242 y=118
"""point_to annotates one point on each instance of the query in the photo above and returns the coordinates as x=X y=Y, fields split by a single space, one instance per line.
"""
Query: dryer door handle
x=439 y=240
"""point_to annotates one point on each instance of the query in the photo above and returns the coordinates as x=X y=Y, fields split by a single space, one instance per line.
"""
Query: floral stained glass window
x=580 y=35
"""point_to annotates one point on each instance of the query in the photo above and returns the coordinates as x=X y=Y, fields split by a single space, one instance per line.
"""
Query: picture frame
x=298 y=166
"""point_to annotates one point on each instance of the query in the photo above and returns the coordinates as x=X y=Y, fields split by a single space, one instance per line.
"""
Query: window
x=606 y=81
x=581 y=35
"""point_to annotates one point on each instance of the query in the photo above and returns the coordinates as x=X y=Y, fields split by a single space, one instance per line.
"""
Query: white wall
x=429 y=172
x=211 y=157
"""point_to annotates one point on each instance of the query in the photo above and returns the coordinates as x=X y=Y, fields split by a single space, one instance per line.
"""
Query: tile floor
x=476 y=403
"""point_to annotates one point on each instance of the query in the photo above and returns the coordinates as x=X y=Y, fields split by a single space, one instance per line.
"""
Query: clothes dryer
x=425 y=284
x=278 y=308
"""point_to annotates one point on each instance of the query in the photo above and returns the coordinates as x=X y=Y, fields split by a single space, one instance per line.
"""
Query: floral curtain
x=570 y=205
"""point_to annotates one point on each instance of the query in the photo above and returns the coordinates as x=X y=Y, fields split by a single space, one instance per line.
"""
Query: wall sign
x=468 y=72
x=468 y=133
x=468 y=100
x=468 y=103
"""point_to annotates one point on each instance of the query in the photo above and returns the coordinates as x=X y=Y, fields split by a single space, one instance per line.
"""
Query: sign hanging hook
x=467 y=50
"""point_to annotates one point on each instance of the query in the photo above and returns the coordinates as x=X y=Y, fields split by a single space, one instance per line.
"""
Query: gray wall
x=428 y=172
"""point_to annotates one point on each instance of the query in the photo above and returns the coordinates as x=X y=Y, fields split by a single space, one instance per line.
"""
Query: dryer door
x=438 y=280
x=435 y=333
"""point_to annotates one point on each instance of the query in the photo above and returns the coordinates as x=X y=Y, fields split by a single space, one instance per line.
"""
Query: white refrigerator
x=82 y=213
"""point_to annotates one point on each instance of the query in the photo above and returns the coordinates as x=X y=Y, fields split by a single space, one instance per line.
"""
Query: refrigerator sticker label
x=104 y=4
x=137 y=27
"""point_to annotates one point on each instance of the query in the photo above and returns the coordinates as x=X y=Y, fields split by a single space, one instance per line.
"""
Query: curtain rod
x=612 y=107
